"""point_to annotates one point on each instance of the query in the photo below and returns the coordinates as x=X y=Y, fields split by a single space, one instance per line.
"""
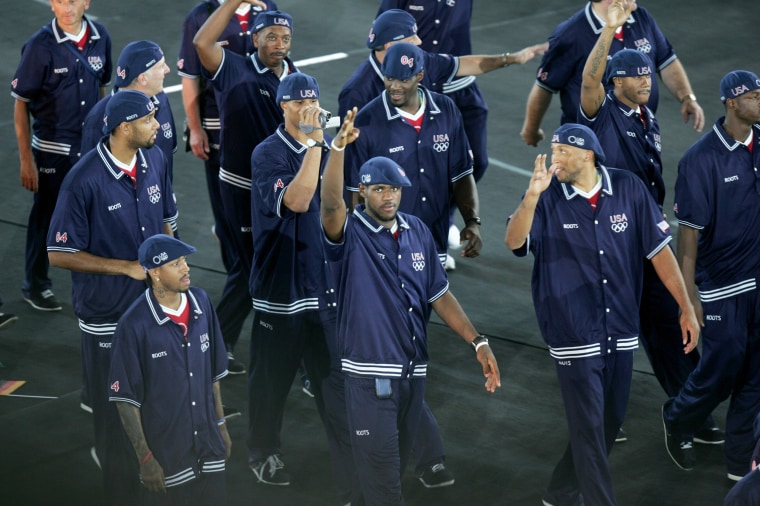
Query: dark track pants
x=595 y=392
x=730 y=366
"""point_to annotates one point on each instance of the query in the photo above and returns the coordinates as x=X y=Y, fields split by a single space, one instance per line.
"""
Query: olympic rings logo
x=155 y=198
x=96 y=62
x=619 y=227
x=418 y=265
x=440 y=147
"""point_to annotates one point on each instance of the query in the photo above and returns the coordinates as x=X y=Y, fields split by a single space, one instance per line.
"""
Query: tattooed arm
x=592 y=85
x=150 y=470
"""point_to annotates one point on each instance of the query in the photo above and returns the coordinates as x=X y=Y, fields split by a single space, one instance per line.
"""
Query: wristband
x=147 y=457
x=504 y=57
x=473 y=219
x=478 y=342
x=336 y=148
x=221 y=421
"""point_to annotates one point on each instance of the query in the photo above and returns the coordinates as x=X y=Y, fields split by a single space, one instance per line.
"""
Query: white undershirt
x=123 y=166
x=416 y=115
x=179 y=310
x=748 y=140
x=78 y=37
x=593 y=191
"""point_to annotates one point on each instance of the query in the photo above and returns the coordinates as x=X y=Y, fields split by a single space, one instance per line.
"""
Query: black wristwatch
x=474 y=219
x=479 y=341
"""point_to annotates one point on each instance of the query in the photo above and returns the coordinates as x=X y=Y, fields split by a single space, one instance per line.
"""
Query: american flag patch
x=664 y=226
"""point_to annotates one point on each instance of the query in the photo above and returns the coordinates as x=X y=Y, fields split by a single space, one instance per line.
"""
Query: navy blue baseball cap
x=382 y=170
x=298 y=86
x=737 y=83
x=160 y=249
x=126 y=105
x=628 y=63
x=272 y=18
x=579 y=136
x=136 y=58
x=402 y=61
x=393 y=24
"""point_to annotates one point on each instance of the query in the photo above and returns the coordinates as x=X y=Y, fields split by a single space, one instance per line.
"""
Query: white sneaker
x=450 y=264
x=454 y=238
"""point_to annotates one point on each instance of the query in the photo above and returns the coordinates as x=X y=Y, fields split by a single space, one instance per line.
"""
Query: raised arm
x=301 y=189
x=592 y=83
x=475 y=65
x=332 y=205
x=211 y=53
x=521 y=220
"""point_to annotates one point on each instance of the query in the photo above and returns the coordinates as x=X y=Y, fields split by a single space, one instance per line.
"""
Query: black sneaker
x=681 y=452
x=44 y=301
x=230 y=412
x=436 y=476
x=305 y=382
x=709 y=436
x=7 y=320
x=271 y=471
x=234 y=366
x=621 y=437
